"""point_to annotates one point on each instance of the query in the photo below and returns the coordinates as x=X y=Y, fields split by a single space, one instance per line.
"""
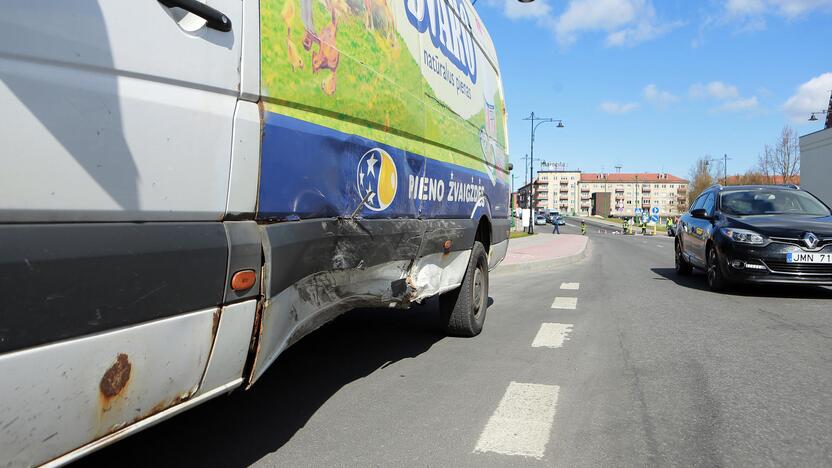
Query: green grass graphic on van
x=334 y=65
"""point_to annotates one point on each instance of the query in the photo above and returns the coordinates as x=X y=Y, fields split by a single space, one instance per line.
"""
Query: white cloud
x=612 y=107
x=727 y=93
x=641 y=32
x=624 y=22
x=811 y=96
x=659 y=97
x=745 y=7
x=714 y=90
x=785 y=8
x=739 y=105
x=516 y=10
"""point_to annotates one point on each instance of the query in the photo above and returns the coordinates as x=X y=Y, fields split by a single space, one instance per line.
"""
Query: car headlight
x=744 y=236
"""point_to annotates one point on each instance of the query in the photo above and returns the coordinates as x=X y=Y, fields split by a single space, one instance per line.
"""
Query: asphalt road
x=654 y=371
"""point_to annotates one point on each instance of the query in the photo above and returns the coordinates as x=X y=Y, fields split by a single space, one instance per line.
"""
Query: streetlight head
x=812 y=118
x=560 y=125
x=525 y=1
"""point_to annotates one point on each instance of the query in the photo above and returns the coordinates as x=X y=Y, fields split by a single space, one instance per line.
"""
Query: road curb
x=544 y=264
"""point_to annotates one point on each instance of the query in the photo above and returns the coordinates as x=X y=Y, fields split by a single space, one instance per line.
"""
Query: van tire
x=462 y=311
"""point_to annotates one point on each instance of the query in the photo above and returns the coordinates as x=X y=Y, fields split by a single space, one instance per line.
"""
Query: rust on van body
x=116 y=378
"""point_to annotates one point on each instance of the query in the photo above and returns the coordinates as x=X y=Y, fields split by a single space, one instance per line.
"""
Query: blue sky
x=653 y=85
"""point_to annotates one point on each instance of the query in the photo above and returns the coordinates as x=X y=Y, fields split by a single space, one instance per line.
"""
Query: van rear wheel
x=463 y=310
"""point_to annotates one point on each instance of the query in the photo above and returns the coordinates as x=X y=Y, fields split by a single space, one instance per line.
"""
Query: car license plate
x=806 y=257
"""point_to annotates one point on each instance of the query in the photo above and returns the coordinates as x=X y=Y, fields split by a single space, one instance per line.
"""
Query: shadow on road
x=239 y=429
x=786 y=291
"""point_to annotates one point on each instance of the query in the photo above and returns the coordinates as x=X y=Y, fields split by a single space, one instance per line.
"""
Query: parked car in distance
x=756 y=234
x=540 y=220
x=559 y=219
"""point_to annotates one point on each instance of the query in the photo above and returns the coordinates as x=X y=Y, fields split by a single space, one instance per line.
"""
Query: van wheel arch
x=484 y=233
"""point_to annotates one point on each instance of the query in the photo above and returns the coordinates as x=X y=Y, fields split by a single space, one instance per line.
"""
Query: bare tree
x=700 y=178
x=780 y=163
x=765 y=165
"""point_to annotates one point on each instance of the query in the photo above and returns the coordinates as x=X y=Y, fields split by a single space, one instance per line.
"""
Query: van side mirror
x=700 y=213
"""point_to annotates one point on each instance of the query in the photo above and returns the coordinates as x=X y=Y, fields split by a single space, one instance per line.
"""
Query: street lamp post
x=540 y=120
x=827 y=112
x=725 y=159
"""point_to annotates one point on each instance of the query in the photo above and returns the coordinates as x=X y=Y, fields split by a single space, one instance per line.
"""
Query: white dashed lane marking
x=522 y=422
x=552 y=335
x=570 y=285
x=565 y=303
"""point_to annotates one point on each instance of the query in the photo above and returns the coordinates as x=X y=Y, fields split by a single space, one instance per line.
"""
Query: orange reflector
x=447 y=245
x=243 y=279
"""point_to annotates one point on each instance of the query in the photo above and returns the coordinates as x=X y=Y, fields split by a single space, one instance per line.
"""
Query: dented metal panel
x=58 y=397
x=437 y=273
x=299 y=249
x=320 y=297
x=228 y=356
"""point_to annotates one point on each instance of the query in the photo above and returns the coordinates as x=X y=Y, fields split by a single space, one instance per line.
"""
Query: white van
x=189 y=187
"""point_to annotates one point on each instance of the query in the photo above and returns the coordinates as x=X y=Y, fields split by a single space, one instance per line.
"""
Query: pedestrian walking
x=583 y=228
x=556 y=230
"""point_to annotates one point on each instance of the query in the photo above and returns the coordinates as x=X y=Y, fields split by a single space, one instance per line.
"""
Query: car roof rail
x=794 y=186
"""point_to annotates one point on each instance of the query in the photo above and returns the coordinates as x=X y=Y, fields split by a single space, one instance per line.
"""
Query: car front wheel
x=716 y=280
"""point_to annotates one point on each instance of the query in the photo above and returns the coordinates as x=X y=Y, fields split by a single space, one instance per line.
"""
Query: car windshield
x=771 y=202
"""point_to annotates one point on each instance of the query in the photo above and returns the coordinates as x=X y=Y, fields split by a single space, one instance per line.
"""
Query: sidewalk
x=543 y=250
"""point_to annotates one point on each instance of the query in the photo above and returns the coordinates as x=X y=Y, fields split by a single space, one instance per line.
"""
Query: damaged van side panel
x=318 y=269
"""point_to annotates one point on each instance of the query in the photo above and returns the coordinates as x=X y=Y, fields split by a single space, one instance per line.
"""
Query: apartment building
x=571 y=192
x=631 y=191
x=523 y=193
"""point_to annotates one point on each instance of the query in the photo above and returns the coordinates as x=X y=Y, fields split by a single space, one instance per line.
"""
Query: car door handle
x=214 y=18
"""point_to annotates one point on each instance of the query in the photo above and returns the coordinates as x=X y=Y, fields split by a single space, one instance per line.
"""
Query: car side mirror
x=700 y=213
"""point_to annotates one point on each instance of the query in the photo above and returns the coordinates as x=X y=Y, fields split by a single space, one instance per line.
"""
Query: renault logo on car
x=811 y=240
